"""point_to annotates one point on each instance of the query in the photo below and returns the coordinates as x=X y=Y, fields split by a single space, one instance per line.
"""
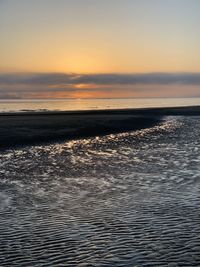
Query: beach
x=122 y=199
x=29 y=128
x=99 y=133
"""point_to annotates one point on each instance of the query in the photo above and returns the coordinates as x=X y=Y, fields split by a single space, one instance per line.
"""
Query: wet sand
x=128 y=199
x=120 y=200
x=28 y=128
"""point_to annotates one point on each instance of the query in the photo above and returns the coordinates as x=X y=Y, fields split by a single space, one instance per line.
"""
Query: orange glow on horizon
x=85 y=86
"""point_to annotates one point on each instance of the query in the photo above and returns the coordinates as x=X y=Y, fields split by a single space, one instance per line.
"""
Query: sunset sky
x=99 y=48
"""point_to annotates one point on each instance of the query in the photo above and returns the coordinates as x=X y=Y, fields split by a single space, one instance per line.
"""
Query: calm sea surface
x=92 y=104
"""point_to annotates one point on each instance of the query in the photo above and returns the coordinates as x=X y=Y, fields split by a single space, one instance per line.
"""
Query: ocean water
x=130 y=199
x=93 y=104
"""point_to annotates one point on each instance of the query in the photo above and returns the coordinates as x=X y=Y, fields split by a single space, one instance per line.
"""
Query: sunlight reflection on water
x=129 y=199
x=93 y=104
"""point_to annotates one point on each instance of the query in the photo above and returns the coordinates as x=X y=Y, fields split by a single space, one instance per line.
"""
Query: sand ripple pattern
x=128 y=199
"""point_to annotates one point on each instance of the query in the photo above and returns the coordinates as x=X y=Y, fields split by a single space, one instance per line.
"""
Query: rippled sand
x=121 y=200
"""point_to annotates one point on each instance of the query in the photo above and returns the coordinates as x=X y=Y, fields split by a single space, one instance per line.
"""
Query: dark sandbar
x=28 y=128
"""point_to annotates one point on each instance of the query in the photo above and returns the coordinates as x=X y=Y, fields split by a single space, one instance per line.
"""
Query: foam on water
x=128 y=199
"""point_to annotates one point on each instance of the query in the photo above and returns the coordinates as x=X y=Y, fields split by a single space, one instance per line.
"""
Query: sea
x=121 y=200
x=16 y=105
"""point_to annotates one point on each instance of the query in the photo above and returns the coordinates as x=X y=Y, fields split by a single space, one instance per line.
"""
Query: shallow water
x=128 y=199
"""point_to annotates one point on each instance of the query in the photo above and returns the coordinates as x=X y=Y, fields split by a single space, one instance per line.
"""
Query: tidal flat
x=120 y=199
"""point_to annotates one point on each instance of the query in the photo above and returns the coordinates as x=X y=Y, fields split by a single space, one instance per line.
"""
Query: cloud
x=147 y=78
x=50 y=85
x=35 y=78
x=70 y=79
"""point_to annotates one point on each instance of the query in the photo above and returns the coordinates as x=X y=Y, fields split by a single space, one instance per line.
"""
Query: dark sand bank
x=18 y=129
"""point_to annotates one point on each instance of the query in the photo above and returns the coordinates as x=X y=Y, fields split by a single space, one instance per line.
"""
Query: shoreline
x=35 y=128
x=164 y=111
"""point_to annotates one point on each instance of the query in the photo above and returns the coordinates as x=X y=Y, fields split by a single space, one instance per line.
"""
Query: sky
x=99 y=48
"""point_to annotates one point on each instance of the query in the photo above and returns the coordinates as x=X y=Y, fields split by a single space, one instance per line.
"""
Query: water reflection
x=128 y=199
x=93 y=104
